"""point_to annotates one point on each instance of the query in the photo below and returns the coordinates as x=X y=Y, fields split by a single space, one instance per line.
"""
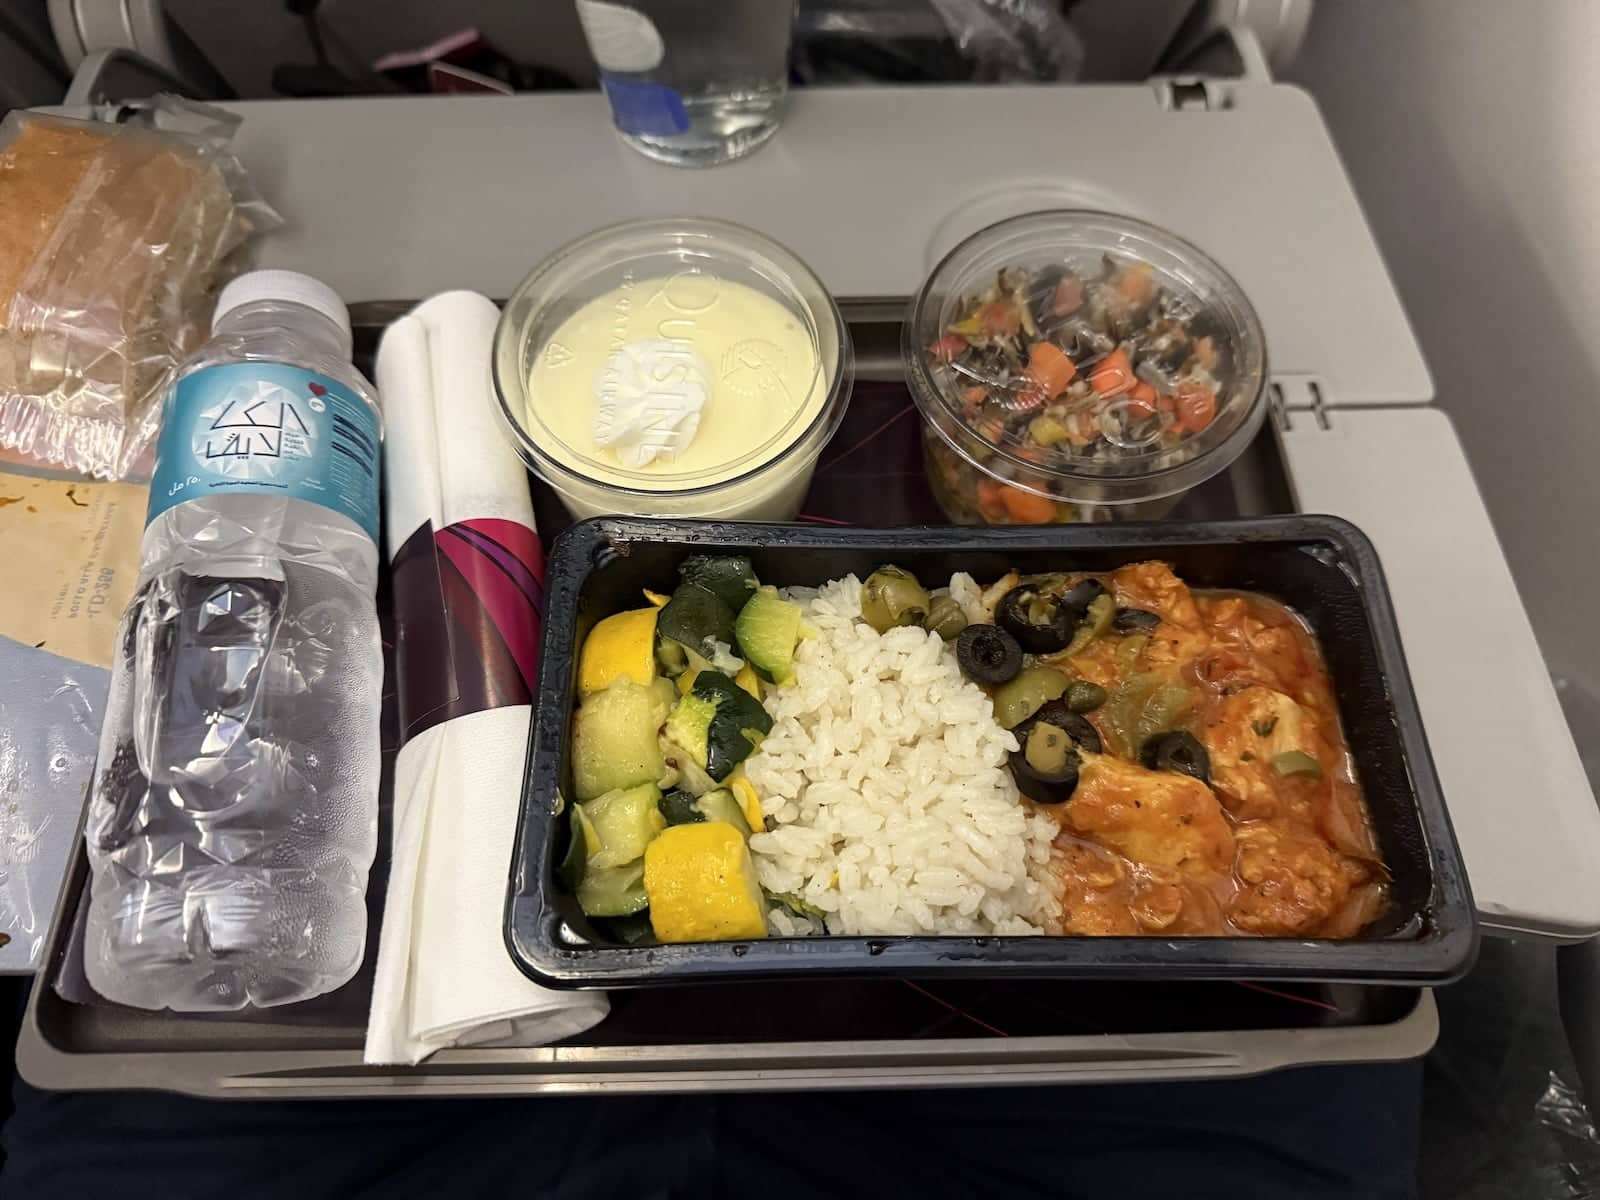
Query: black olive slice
x=1041 y=622
x=1079 y=597
x=1134 y=620
x=1045 y=766
x=988 y=654
x=1178 y=751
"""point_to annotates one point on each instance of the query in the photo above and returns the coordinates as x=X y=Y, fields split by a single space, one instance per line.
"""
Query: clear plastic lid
x=669 y=356
x=1087 y=357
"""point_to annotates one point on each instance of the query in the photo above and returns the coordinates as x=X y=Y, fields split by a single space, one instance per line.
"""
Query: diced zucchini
x=698 y=620
x=614 y=739
x=686 y=774
x=689 y=727
x=768 y=629
x=579 y=840
x=628 y=931
x=624 y=822
x=671 y=657
x=666 y=694
x=677 y=808
x=717 y=724
x=746 y=678
x=798 y=905
x=719 y=805
x=584 y=831
x=613 y=891
x=730 y=579
x=701 y=885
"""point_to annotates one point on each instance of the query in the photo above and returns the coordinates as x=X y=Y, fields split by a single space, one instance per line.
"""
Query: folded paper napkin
x=467 y=571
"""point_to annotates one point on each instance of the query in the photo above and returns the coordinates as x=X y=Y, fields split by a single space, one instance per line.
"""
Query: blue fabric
x=1316 y=1132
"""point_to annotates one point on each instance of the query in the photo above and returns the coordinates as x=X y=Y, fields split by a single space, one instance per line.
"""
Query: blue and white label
x=645 y=109
x=268 y=429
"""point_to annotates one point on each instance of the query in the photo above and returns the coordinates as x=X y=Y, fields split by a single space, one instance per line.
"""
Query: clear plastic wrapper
x=50 y=709
x=930 y=41
x=1503 y=1113
x=1014 y=41
x=114 y=241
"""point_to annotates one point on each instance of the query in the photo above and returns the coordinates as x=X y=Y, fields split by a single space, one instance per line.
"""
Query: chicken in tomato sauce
x=1188 y=744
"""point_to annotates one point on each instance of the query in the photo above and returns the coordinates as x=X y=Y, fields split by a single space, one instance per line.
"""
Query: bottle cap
x=282 y=285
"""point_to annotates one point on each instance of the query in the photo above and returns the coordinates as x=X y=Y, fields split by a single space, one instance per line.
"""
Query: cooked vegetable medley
x=1067 y=365
x=1186 y=747
x=671 y=705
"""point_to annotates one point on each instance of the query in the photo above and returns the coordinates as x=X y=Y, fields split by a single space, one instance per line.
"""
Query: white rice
x=888 y=804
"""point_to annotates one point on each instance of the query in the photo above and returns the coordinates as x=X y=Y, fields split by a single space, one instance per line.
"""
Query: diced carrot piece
x=1135 y=285
x=1142 y=400
x=1197 y=408
x=1027 y=509
x=1000 y=317
x=948 y=347
x=973 y=397
x=1050 y=368
x=1113 y=374
x=990 y=502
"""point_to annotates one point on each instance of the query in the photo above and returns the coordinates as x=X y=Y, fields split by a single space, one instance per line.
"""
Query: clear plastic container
x=678 y=367
x=1080 y=366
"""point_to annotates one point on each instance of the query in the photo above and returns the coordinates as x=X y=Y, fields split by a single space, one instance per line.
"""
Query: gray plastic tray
x=766 y=1037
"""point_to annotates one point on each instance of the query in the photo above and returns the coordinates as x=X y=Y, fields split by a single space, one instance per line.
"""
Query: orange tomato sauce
x=1276 y=841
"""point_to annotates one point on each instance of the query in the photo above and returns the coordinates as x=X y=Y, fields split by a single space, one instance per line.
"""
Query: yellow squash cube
x=623 y=646
x=702 y=885
x=749 y=802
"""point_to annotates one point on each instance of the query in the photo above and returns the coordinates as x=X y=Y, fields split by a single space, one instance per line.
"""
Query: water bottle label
x=646 y=109
x=268 y=429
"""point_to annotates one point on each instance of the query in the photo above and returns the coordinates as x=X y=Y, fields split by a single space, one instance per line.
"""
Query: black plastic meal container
x=1323 y=567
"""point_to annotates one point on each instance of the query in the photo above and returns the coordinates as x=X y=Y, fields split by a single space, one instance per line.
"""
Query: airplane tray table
x=781 y=1036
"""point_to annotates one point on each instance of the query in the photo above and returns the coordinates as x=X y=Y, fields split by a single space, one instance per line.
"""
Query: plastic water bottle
x=233 y=817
